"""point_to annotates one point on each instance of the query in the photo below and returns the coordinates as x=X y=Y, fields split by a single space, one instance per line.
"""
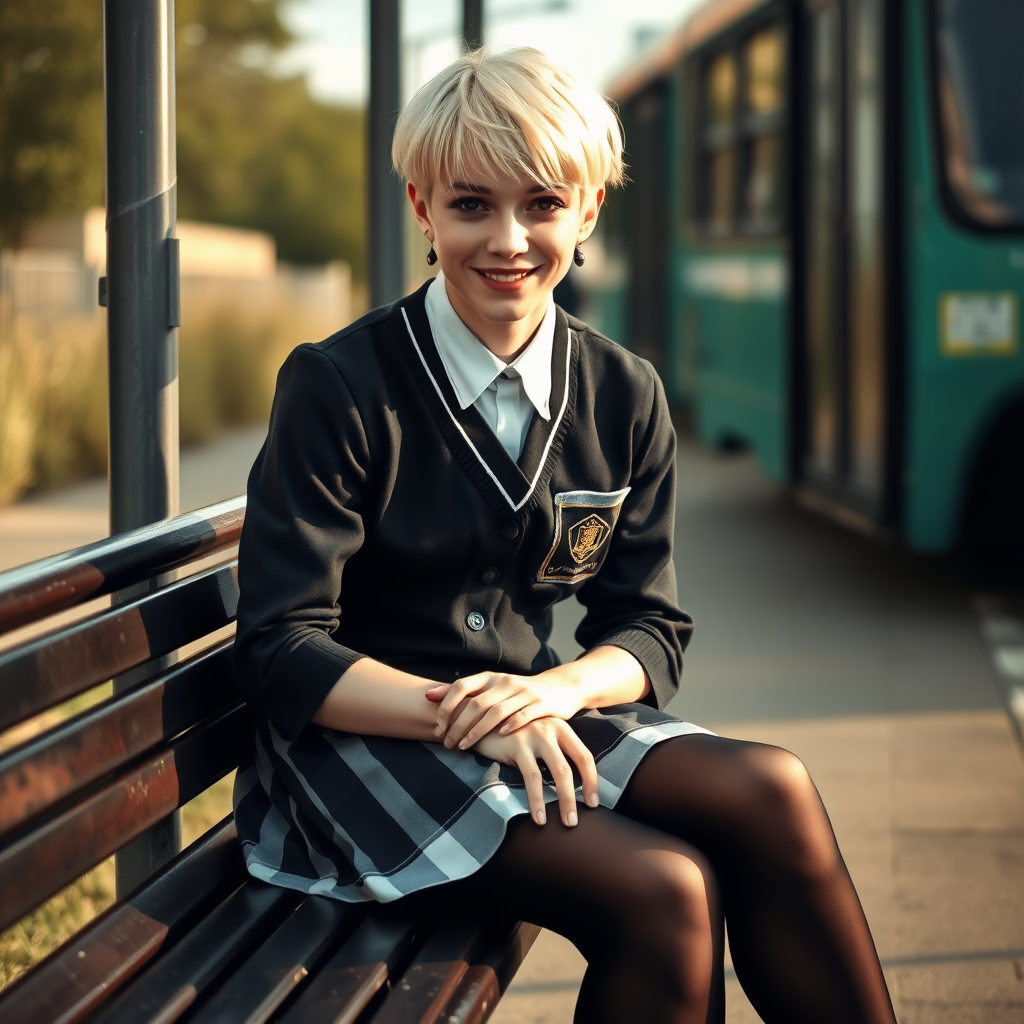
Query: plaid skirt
x=371 y=818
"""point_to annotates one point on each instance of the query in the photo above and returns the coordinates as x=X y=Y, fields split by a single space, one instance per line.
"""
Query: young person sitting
x=437 y=476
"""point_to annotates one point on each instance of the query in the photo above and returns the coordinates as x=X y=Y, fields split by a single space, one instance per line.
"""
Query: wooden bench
x=198 y=936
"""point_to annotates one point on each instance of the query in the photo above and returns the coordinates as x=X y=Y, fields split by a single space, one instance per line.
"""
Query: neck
x=505 y=340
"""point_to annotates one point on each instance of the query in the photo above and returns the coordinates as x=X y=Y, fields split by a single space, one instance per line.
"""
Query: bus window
x=719 y=143
x=762 y=188
x=764 y=72
x=721 y=91
x=978 y=48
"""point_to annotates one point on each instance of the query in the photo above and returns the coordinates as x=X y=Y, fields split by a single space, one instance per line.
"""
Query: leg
x=798 y=935
x=640 y=905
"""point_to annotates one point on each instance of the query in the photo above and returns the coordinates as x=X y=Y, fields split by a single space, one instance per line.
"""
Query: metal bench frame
x=198 y=936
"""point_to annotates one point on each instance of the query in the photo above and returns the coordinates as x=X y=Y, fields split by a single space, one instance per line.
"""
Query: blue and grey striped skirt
x=372 y=818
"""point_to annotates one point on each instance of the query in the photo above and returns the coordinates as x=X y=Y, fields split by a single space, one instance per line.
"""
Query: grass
x=53 y=385
x=53 y=403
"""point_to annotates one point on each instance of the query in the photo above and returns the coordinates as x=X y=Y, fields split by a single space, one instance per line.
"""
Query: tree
x=254 y=150
x=51 y=110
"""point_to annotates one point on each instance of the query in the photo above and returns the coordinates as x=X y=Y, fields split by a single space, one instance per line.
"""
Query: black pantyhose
x=706 y=825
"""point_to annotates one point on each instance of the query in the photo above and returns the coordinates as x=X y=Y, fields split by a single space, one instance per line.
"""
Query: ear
x=421 y=210
x=590 y=207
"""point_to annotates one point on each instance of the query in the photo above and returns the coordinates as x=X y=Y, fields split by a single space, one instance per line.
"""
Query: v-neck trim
x=509 y=485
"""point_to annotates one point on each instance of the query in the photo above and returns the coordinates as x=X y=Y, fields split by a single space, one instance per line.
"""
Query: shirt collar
x=472 y=367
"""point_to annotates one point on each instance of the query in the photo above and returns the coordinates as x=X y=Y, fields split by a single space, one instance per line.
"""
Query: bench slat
x=360 y=970
x=34 y=591
x=48 y=769
x=489 y=975
x=186 y=974
x=433 y=976
x=74 y=979
x=281 y=963
x=38 y=864
x=56 y=667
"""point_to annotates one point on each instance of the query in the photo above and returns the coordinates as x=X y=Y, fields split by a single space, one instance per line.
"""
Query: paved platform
x=874 y=667
x=885 y=672
x=55 y=521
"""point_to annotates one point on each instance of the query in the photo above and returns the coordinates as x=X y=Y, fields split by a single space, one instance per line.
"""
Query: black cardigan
x=384 y=521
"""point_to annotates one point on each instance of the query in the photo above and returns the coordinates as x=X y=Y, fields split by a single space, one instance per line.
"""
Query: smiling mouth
x=506 y=276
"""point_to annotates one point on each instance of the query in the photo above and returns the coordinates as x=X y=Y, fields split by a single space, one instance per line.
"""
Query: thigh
x=729 y=797
x=592 y=883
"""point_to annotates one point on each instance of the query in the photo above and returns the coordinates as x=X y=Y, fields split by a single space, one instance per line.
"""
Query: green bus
x=822 y=251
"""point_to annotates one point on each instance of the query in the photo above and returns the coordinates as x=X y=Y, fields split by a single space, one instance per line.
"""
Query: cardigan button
x=490 y=575
x=475 y=621
x=510 y=531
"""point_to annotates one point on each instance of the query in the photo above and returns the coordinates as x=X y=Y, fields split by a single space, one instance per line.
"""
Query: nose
x=510 y=236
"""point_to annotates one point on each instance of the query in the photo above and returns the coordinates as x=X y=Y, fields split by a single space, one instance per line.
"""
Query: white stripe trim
x=458 y=425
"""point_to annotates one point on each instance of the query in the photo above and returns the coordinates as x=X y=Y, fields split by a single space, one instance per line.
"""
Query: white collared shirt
x=505 y=395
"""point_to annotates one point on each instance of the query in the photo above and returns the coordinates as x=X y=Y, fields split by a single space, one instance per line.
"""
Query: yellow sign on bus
x=979 y=323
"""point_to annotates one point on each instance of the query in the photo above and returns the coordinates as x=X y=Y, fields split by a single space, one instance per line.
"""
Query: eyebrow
x=483 y=190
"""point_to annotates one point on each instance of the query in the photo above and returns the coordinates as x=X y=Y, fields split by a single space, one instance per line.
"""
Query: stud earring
x=578 y=258
x=431 y=255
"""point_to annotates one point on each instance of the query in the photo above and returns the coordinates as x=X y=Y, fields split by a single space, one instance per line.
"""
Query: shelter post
x=472 y=24
x=385 y=193
x=143 y=306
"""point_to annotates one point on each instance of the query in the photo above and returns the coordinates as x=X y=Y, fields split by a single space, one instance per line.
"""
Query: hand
x=549 y=740
x=472 y=707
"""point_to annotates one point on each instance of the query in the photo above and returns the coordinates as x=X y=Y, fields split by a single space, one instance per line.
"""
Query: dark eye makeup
x=474 y=203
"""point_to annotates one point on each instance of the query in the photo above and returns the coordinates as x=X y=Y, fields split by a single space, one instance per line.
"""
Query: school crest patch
x=584 y=524
x=586 y=537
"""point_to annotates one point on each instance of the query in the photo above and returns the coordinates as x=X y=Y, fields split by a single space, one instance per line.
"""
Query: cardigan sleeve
x=303 y=521
x=632 y=602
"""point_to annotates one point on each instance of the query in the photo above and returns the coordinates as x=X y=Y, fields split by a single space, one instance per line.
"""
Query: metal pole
x=142 y=297
x=472 y=24
x=385 y=191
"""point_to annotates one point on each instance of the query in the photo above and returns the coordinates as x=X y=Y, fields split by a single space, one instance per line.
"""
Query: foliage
x=53 y=385
x=254 y=150
x=53 y=403
x=51 y=109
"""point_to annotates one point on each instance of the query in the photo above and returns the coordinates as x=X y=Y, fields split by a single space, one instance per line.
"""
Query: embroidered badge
x=584 y=522
x=586 y=537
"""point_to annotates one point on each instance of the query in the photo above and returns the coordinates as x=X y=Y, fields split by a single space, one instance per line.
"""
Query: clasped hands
x=520 y=721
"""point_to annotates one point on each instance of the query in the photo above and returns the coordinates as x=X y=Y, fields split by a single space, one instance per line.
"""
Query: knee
x=672 y=903
x=786 y=813
x=674 y=923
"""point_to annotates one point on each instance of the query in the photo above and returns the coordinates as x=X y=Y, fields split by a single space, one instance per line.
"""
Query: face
x=503 y=245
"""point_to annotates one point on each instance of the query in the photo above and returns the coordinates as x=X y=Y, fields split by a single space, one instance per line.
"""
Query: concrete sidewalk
x=865 y=661
x=55 y=521
x=868 y=663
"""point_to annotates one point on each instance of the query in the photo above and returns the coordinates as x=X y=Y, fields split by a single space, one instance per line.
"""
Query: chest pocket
x=584 y=523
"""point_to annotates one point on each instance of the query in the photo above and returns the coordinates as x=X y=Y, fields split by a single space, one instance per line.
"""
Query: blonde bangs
x=512 y=113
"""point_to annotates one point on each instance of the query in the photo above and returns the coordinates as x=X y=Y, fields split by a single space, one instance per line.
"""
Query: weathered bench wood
x=199 y=936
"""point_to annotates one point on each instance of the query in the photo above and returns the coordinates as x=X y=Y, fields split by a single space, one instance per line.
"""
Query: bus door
x=843 y=380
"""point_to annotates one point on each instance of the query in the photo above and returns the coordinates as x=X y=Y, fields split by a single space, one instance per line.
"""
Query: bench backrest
x=83 y=788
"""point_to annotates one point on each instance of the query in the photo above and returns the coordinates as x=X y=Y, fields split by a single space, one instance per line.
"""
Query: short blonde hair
x=511 y=110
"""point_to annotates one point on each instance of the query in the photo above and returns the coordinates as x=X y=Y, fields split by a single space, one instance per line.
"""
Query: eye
x=467 y=204
x=548 y=204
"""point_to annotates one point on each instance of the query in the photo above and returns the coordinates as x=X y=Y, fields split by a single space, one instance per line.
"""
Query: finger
x=437 y=693
x=530 y=713
x=470 y=711
x=534 y=781
x=457 y=693
x=493 y=717
x=584 y=761
x=561 y=773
